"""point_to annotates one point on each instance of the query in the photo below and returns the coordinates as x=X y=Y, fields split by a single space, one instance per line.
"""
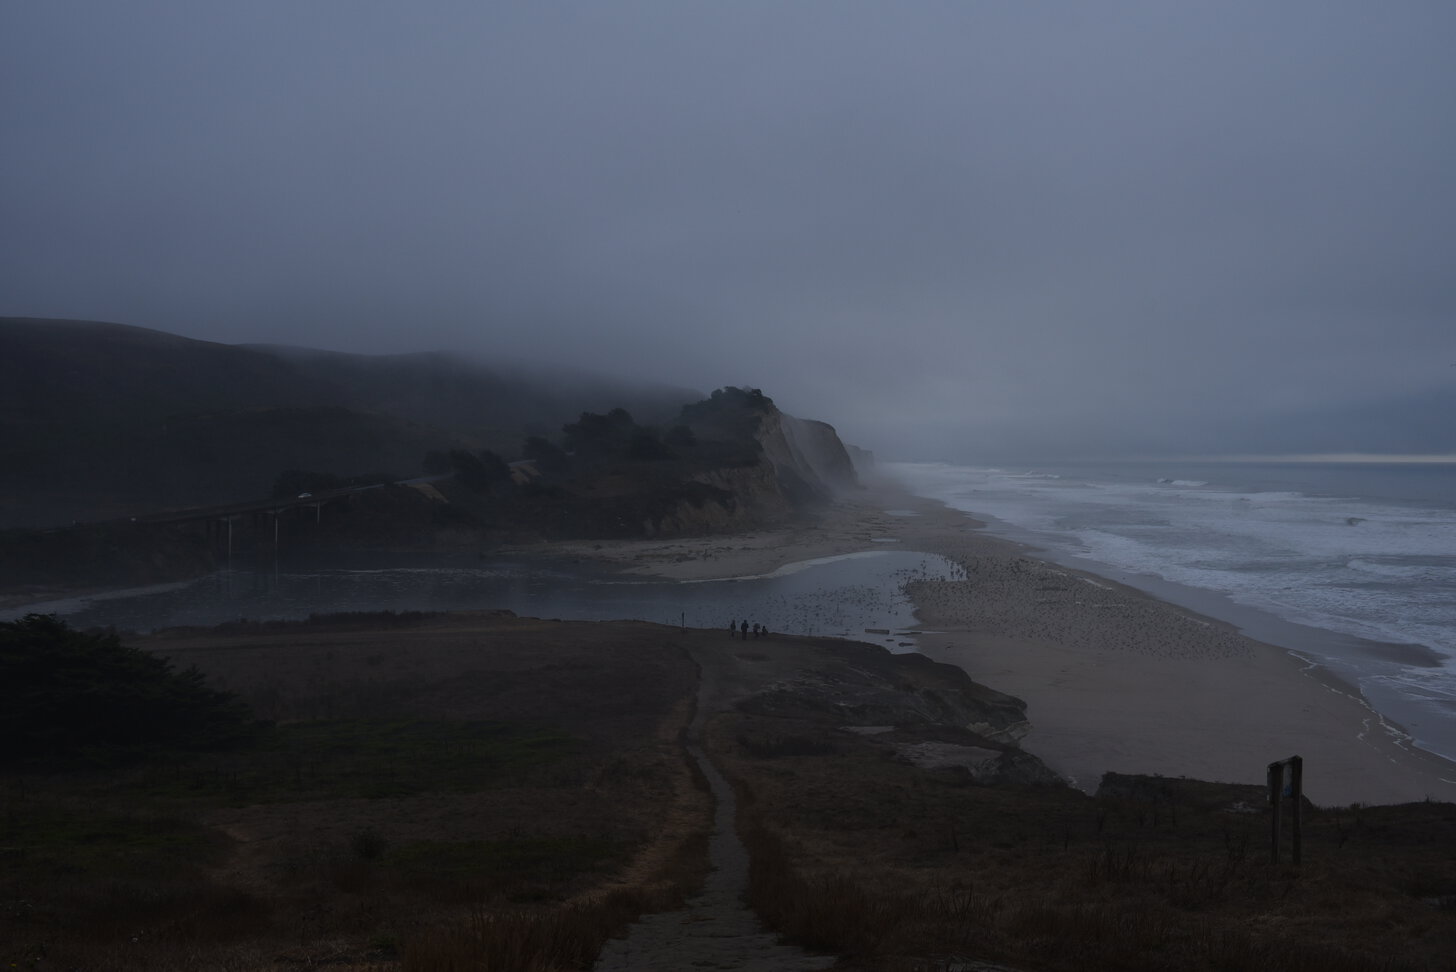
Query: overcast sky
x=953 y=229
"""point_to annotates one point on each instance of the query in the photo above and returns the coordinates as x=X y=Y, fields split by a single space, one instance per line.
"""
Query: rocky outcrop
x=776 y=466
x=734 y=498
x=807 y=455
x=863 y=459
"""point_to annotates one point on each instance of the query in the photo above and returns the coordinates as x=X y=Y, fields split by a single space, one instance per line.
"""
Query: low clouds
x=955 y=230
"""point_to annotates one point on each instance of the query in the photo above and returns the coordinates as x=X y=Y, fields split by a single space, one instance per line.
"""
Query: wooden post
x=1276 y=784
x=1296 y=795
x=1275 y=779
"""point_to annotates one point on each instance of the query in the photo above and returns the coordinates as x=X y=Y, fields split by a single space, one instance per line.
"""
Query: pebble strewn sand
x=1039 y=602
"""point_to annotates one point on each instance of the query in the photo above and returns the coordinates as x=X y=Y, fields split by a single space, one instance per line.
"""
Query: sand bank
x=1113 y=678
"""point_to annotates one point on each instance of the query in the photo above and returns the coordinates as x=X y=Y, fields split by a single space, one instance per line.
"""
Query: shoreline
x=1115 y=678
x=1334 y=650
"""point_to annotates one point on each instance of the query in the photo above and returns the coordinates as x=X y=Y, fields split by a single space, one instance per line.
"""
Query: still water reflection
x=839 y=596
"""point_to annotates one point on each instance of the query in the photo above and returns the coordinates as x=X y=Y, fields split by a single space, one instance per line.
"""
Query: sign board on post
x=1285 y=779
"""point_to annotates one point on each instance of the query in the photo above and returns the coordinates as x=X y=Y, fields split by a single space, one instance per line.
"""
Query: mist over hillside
x=103 y=420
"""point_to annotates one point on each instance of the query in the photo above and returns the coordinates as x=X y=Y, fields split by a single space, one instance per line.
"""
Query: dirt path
x=715 y=929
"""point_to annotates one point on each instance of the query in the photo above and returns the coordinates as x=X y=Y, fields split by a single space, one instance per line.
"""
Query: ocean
x=1351 y=565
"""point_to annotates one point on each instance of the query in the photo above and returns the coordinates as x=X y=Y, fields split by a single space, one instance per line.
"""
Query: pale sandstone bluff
x=807 y=451
x=803 y=464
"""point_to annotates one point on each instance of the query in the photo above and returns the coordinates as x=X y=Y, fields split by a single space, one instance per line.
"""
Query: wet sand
x=1114 y=679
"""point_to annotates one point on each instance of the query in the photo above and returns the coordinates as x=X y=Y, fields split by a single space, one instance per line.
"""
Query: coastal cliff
x=806 y=452
x=793 y=465
x=731 y=462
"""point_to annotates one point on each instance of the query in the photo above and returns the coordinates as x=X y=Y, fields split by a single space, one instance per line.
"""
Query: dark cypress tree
x=69 y=697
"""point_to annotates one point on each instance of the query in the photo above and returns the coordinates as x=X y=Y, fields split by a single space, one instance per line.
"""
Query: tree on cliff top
x=550 y=458
x=482 y=472
x=72 y=698
x=730 y=416
x=599 y=435
x=728 y=403
x=646 y=446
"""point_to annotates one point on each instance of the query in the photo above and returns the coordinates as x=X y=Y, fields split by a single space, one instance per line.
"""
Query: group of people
x=741 y=627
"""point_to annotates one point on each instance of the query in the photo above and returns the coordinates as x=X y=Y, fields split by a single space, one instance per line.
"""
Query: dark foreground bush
x=70 y=698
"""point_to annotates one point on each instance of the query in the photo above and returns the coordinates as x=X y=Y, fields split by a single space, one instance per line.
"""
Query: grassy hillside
x=411 y=790
x=490 y=402
x=863 y=846
x=103 y=420
x=489 y=792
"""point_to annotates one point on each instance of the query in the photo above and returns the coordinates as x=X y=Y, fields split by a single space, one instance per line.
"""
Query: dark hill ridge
x=88 y=371
x=491 y=402
x=145 y=440
x=729 y=463
x=103 y=420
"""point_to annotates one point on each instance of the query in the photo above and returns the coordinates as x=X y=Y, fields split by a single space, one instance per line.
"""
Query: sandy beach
x=1114 y=679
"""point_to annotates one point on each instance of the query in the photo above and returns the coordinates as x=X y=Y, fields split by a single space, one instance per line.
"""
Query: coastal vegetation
x=165 y=421
x=900 y=868
x=414 y=802
x=481 y=791
x=77 y=699
x=726 y=463
x=430 y=792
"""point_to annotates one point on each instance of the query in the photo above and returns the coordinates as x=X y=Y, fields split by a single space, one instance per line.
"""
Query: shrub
x=72 y=697
x=549 y=458
x=645 y=446
x=481 y=472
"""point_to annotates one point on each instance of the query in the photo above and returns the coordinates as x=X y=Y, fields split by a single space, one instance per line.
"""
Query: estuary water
x=834 y=596
x=1353 y=564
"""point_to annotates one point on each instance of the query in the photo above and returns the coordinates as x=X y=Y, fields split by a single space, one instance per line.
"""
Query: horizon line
x=1352 y=457
x=1413 y=458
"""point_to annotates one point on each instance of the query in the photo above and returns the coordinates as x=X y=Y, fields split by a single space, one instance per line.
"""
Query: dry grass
x=898 y=868
x=490 y=793
x=470 y=792
x=558 y=937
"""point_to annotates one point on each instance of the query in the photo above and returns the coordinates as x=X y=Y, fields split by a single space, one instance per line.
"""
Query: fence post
x=1296 y=795
x=1275 y=781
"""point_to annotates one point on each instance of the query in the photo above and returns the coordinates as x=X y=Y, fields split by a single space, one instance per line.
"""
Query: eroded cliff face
x=802 y=464
x=863 y=459
x=737 y=464
x=806 y=452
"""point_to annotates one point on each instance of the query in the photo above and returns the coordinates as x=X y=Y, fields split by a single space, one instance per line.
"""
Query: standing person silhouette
x=732 y=627
x=744 y=628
